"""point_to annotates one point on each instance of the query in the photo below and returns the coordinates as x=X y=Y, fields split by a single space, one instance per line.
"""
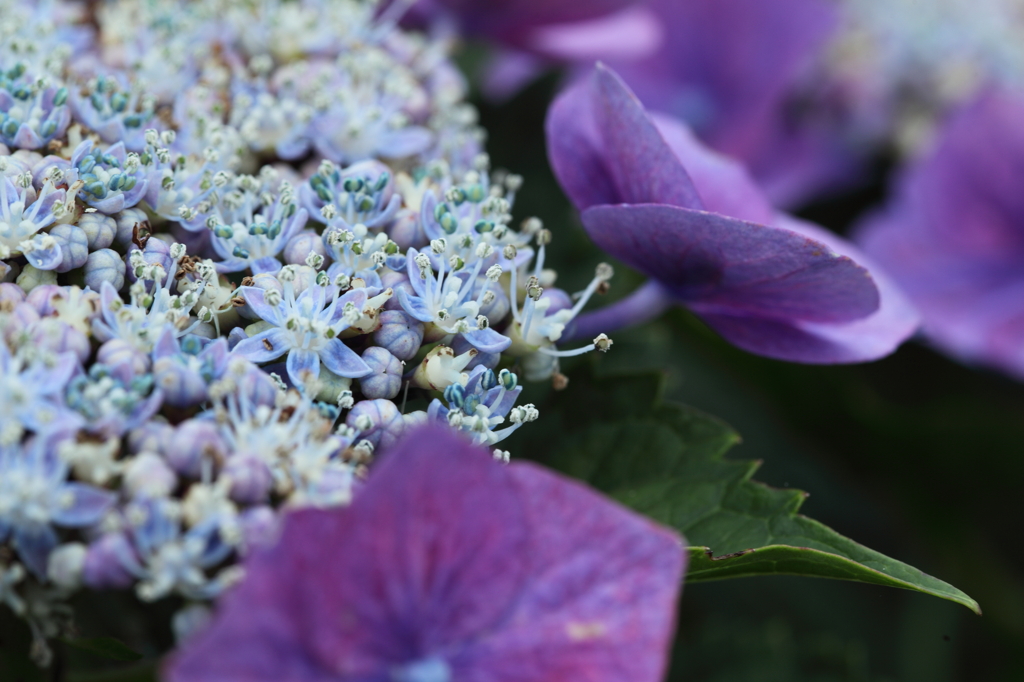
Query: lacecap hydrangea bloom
x=236 y=241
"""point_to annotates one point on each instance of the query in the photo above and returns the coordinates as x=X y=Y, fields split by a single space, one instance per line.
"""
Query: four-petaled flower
x=451 y=566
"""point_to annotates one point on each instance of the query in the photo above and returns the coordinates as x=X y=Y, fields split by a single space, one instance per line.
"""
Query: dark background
x=915 y=456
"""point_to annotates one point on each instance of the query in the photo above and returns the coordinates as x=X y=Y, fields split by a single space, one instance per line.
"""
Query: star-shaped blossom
x=35 y=495
x=451 y=566
x=113 y=179
x=23 y=214
x=306 y=328
x=482 y=404
x=32 y=389
x=709 y=239
x=450 y=300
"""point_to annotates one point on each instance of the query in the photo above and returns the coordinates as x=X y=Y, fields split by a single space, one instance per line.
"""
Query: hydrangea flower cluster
x=235 y=239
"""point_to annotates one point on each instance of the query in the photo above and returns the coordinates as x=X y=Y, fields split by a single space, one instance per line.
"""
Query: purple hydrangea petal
x=266 y=346
x=487 y=340
x=343 y=361
x=255 y=298
x=717 y=264
x=605 y=150
x=402 y=584
x=632 y=33
x=415 y=306
x=34 y=546
x=732 y=69
x=81 y=505
x=724 y=184
x=304 y=365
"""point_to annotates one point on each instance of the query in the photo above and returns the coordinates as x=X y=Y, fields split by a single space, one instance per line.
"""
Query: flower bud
x=488 y=360
x=100 y=230
x=407 y=232
x=157 y=252
x=181 y=386
x=73 y=244
x=386 y=380
x=102 y=266
x=382 y=421
x=126 y=221
x=65 y=564
x=32 y=277
x=152 y=436
x=59 y=337
x=257 y=387
x=41 y=298
x=17 y=323
x=193 y=441
x=10 y=296
x=260 y=527
x=106 y=560
x=189 y=621
x=560 y=300
x=399 y=333
x=251 y=480
x=147 y=475
x=300 y=246
x=118 y=351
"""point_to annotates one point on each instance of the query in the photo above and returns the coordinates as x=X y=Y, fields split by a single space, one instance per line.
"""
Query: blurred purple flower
x=953 y=234
x=768 y=283
x=733 y=70
x=450 y=566
x=532 y=34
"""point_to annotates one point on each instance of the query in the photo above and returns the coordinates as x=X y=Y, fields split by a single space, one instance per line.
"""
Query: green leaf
x=667 y=461
x=104 y=647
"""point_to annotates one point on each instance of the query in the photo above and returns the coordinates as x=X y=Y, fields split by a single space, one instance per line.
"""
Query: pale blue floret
x=141 y=322
x=33 y=110
x=251 y=227
x=116 y=111
x=356 y=254
x=183 y=369
x=451 y=299
x=35 y=496
x=113 y=180
x=362 y=194
x=31 y=392
x=295 y=441
x=269 y=121
x=306 y=328
x=22 y=218
x=112 y=400
x=167 y=560
x=482 y=404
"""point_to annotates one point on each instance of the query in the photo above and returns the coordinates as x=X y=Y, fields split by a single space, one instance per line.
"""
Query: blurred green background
x=915 y=456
